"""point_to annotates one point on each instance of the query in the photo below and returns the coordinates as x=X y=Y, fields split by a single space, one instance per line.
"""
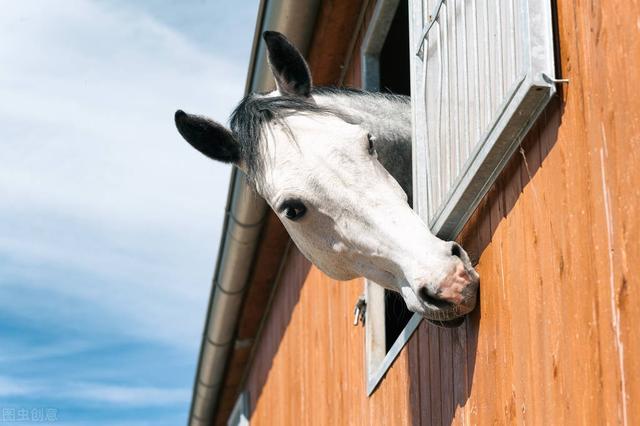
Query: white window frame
x=377 y=359
x=240 y=414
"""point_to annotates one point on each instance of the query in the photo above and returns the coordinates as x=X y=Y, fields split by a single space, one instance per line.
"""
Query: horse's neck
x=386 y=116
x=388 y=119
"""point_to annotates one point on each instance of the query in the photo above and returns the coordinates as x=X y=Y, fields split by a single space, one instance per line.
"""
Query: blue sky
x=109 y=222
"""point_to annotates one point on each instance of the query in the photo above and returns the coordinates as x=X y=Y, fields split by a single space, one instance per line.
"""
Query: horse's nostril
x=423 y=293
x=455 y=250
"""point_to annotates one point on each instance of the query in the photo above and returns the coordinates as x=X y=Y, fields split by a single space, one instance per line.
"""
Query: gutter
x=245 y=215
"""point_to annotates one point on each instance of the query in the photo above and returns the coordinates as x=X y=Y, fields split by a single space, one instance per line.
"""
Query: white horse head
x=328 y=162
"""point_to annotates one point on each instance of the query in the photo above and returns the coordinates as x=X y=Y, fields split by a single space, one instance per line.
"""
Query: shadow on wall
x=442 y=362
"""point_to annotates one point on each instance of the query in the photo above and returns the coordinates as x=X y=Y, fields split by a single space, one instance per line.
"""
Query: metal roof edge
x=238 y=243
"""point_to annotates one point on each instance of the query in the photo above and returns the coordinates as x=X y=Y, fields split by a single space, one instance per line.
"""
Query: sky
x=109 y=221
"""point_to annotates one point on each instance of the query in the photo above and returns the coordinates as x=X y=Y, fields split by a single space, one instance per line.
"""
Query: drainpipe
x=245 y=214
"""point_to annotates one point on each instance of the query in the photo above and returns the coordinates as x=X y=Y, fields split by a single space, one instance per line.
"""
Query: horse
x=335 y=166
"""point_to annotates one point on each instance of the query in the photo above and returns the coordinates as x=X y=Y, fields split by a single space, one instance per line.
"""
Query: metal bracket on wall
x=547 y=78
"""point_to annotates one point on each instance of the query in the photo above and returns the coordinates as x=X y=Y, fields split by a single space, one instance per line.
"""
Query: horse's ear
x=208 y=137
x=288 y=66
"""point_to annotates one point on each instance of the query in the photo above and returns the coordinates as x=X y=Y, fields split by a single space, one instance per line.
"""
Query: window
x=240 y=414
x=386 y=68
x=480 y=74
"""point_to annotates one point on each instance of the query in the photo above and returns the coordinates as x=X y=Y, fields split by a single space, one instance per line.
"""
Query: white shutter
x=482 y=71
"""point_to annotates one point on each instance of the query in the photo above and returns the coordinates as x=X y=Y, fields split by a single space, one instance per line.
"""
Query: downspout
x=245 y=214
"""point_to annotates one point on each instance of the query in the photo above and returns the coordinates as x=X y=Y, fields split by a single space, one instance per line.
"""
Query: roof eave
x=245 y=214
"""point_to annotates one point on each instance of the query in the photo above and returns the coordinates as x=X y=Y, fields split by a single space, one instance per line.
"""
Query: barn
x=526 y=150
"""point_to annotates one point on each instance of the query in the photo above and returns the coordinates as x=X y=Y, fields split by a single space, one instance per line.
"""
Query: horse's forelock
x=256 y=112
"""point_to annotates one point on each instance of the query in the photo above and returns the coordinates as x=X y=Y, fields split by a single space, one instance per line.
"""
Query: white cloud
x=127 y=395
x=23 y=353
x=104 y=393
x=94 y=177
x=10 y=387
x=87 y=113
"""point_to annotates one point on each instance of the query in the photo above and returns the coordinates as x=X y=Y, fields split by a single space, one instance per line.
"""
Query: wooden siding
x=311 y=370
x=554 y=339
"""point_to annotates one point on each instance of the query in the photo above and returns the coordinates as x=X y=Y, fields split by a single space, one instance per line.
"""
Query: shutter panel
x=481 y=72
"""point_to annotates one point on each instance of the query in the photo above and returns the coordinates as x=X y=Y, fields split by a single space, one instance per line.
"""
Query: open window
x=386 y=68
x=480 y=74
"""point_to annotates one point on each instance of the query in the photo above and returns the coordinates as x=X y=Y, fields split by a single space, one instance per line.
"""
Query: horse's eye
x=293 y=210
x=372 y=149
